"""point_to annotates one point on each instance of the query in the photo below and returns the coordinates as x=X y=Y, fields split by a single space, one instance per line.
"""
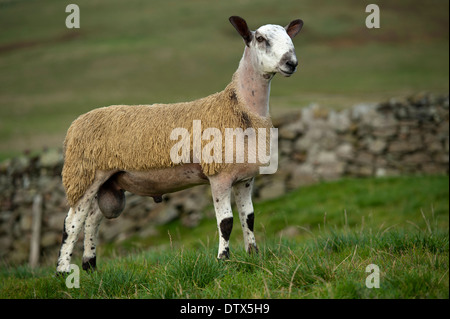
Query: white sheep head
x=271 y=48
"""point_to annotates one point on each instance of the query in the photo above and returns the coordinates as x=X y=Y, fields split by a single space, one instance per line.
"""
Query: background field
x=142 y=52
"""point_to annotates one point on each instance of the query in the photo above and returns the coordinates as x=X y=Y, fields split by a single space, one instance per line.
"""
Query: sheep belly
x=157 y=182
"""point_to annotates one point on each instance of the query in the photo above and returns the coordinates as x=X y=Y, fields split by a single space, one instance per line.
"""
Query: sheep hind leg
x=72 y=226
x=243 y=197
x=91 y=226
x=75 y=220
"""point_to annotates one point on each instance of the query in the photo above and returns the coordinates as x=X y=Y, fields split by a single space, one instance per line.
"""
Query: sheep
x=119 y=148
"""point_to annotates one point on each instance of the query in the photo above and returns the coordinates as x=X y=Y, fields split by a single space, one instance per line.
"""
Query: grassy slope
x=165 y=51
x=400 y=224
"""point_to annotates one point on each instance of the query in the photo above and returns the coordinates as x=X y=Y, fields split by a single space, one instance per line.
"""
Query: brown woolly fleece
x=137 y=137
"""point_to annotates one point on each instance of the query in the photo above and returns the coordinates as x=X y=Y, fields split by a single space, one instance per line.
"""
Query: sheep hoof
x=89 y=264
x=62 y=274
x=224 y=255
x=252 y=249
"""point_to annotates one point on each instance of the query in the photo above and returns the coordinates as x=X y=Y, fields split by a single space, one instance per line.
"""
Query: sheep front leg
x=243 y=197
x=221 y=193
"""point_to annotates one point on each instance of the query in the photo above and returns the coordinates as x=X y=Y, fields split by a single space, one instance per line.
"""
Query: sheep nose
x=292 y=64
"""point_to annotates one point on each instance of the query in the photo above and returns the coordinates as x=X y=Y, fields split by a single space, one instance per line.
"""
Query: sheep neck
x=253 y=85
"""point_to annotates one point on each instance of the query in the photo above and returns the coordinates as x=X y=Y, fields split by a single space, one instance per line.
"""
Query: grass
x=400 y=224
x=143 y=52
x=331 y=265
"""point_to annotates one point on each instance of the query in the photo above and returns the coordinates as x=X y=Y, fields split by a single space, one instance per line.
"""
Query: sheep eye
x=260 y=39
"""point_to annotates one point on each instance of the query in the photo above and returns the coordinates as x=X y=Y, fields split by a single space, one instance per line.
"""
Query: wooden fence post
x=35 y=244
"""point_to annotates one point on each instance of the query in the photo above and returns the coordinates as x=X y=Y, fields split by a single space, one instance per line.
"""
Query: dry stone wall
x=315 y=144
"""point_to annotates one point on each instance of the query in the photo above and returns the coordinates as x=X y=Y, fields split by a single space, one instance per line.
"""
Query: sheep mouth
x=286 y=73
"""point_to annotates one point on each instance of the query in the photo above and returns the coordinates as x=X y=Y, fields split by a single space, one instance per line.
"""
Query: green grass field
x=143 y=52
x=399 y=224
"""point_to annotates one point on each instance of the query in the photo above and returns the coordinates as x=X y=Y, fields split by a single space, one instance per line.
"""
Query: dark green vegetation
x=143 y=52
x=399 y=224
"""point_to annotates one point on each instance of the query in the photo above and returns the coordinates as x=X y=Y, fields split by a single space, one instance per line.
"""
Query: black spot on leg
x=226 y=225
x=253 y=93
x=217 y=200
x=247 y=184
x=250 y=221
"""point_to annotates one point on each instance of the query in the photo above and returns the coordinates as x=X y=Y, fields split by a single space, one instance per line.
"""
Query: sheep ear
x=294 y=28
x=241 y=26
